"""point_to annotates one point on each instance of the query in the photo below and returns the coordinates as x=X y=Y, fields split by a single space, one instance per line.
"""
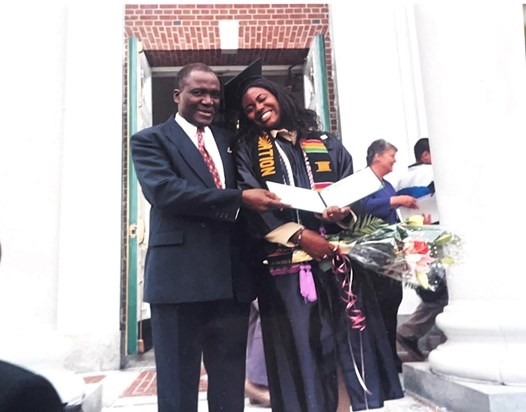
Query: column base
x=461 y=396
x=92 y=402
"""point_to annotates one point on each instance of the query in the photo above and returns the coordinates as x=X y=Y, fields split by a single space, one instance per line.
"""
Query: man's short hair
x=189 y=68
x=421 y=146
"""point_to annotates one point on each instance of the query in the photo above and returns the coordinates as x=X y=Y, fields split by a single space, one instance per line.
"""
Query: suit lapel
x=189 y=152
x=225 y=150
x=193 y=158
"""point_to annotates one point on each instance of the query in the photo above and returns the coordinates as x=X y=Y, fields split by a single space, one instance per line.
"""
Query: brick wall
x=281 y=34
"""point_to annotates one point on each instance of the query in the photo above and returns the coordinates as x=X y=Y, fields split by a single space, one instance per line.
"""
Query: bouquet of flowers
x=410 y=252
x=417 y=255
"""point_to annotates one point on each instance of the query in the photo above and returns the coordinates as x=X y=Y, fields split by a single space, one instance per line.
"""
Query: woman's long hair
x=293 y=115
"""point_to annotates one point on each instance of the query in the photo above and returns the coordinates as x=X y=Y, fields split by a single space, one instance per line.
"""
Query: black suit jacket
x=194 y=252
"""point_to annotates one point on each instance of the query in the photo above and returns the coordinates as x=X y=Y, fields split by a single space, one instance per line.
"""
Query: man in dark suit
x=195 y=280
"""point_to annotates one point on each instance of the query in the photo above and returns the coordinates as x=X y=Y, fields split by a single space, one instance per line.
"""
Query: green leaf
x=364 y=225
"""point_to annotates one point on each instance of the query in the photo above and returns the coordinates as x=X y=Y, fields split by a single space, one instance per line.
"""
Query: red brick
x=272 y=30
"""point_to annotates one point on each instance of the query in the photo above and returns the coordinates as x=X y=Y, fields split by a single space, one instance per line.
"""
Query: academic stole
x=321 y=174
x=315 y=154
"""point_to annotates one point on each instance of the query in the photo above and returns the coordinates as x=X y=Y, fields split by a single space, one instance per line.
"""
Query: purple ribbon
x=285 y=270
x=341 y=267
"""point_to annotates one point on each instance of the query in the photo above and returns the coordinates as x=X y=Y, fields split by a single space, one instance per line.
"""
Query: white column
x=60 y=186
x=90 y=204
x=32 y=107
x=473 y=69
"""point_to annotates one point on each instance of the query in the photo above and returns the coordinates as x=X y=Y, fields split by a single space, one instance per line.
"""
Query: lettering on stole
x=267 y=163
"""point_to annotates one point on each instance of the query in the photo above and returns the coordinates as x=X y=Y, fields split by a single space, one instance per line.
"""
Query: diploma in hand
x=342 y=193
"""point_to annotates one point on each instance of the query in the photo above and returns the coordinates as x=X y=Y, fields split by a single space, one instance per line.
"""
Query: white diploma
x=342 y=193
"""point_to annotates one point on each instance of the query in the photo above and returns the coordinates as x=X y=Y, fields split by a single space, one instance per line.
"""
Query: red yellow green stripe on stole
x=311 y=146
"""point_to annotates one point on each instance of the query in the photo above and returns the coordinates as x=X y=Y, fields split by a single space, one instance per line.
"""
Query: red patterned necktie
x=207 y=158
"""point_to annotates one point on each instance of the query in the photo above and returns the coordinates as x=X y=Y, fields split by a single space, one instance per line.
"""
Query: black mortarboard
x=235 y=87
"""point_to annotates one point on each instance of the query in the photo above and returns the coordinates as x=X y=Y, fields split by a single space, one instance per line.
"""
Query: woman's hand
x=404 y=200
x=316 y=245
x=334 y=214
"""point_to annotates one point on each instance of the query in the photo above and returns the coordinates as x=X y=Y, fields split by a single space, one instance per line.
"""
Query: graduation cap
x=235 y=87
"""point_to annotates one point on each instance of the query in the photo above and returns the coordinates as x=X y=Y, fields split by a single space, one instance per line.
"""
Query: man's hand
x=261 y=200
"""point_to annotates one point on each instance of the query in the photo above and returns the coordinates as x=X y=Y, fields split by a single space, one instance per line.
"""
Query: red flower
x=415 y=246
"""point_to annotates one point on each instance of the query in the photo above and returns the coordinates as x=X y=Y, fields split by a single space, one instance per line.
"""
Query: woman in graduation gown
x=306 y=332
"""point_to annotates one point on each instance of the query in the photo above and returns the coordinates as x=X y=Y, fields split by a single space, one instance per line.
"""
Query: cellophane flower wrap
x=417 y=255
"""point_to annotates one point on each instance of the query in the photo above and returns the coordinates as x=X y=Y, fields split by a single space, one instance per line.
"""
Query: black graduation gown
x=305 y=341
